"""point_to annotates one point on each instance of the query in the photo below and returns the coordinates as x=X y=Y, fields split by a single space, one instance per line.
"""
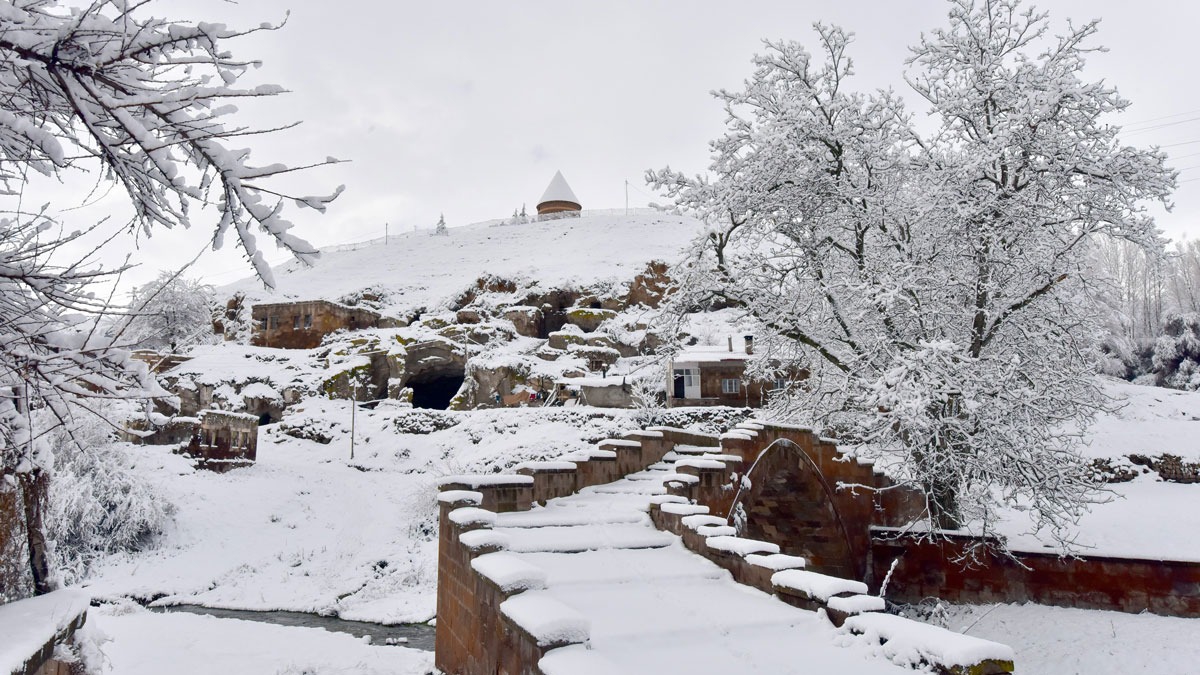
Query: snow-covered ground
x=308 y=529
x=1143 y=518
x=416 y=269
x=1061 y=641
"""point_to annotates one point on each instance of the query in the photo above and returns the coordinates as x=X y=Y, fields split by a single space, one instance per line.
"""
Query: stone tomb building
x=224 y=440
x=302 y=325
x=559 y=201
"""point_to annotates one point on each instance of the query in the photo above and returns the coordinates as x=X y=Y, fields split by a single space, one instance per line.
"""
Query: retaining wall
x=928 y=569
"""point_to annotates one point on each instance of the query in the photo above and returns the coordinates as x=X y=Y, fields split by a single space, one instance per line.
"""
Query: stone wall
x=929 y=569
x=474 y=635
x=801 y=493
x=795 y=501
x=302 y=325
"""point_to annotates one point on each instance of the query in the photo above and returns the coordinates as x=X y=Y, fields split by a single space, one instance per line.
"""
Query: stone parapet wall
x=476 y=634
x=845 y=602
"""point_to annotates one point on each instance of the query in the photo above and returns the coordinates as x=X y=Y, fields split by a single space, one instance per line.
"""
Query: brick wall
x=928 y=569
x=844 y=533
x=473 y=636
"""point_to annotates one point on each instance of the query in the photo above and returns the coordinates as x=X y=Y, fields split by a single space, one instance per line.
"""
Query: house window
x=779 y=383
x=274 y=322
x=730 y=385
x=296 y=322
x=307 y=321
x=691 y=377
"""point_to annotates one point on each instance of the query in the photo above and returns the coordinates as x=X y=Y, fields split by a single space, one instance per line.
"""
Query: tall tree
x=169 y=313
x=931 y=283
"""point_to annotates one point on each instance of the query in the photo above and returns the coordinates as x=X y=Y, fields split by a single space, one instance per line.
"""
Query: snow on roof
x=714 y=353
x=558 y=191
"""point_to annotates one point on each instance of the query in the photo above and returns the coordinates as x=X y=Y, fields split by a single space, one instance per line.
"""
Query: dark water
x=415 y=635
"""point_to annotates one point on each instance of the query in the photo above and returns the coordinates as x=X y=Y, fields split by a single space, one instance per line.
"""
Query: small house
x=716 y=375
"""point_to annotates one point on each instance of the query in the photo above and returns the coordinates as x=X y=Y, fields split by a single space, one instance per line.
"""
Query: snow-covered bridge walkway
x=591 y=586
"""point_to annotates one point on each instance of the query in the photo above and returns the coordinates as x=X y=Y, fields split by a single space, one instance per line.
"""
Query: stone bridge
x=611 y=562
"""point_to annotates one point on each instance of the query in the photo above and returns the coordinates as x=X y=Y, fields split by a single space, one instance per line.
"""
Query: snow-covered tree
x=933 y=284
x=168 y=313
x=145 y=104
x=440 y=229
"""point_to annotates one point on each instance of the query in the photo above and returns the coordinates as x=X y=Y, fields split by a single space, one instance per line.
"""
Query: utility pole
x=385 y=234
x=353 y=407
x=626 y=196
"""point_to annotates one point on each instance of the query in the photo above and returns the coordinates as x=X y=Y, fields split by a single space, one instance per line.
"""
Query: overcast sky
x=468 y=108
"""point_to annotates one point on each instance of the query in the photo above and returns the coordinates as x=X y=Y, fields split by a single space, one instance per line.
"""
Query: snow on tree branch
x=936 y=286
x=147 y=98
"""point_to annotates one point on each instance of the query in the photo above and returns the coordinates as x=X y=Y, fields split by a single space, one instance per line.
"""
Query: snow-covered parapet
x=777 y=562
x=500 y=492
x=701 y=463
x=915 y=644
x=477 y=481
x=553 y=465
x=740 y=546
x=681 y=508
x=472 y=516
x=480 y=540
x=29 y=629
x=460 y=497
x=814 y=586
x=548 y=621
x=510 y=573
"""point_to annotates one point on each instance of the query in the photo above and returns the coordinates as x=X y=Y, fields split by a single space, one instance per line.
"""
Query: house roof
x=558 y=191
x=714 y=353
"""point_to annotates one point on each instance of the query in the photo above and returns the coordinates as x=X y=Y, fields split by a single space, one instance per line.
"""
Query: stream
x=415 y=635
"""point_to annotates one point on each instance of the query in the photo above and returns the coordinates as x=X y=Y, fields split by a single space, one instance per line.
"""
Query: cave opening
x=435 y=390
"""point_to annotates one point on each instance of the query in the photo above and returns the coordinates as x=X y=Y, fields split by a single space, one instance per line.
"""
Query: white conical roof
x=559 y=191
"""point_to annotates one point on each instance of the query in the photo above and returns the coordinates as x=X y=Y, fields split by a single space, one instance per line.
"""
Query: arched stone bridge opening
x=801 y=493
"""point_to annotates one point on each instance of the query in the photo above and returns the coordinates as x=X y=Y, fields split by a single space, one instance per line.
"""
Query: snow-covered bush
x=1177 y=352
x=97 y=505
x=424 y=421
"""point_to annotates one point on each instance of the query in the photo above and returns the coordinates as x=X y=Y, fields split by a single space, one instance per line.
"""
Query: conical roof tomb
x=559 y=200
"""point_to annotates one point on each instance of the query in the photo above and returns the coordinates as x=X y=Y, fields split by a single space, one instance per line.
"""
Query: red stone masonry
x=926 y=569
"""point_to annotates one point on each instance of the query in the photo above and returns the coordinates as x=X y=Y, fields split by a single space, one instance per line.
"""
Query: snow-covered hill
x=422 y=270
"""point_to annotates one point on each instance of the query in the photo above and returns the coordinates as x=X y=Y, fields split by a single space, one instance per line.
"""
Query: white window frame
x=731 y=385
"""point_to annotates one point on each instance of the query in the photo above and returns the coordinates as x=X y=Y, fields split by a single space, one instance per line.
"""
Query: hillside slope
x=421 y=270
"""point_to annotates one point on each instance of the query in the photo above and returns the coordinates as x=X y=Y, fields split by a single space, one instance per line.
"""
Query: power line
x=1164 y=117
x=1161 y=126
x=1173 y=145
